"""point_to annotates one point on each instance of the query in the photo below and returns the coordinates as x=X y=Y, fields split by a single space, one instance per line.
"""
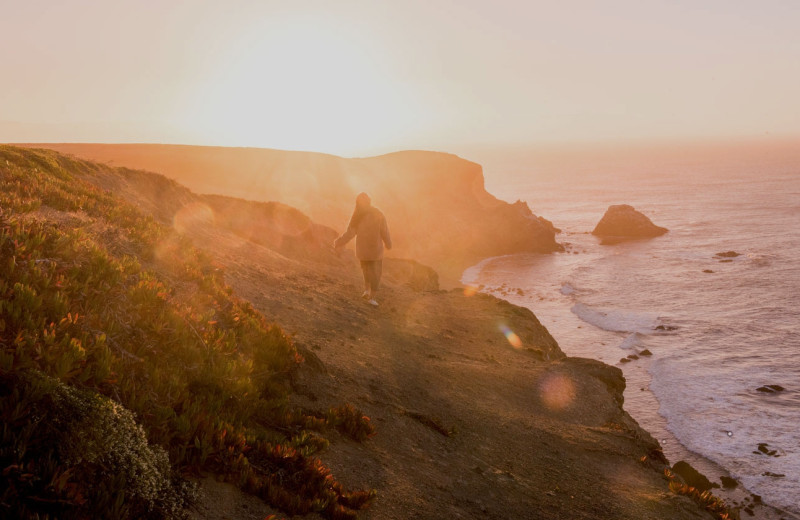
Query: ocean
x=718 y=327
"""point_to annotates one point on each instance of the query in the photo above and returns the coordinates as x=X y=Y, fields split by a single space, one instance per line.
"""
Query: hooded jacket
x=371 y=231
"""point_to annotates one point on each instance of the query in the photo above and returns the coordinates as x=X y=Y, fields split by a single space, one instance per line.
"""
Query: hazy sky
x=360 y=77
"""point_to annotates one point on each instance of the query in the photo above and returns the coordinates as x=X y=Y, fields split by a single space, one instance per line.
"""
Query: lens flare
x=166 y=249
x=512 y=338
x=557 y=391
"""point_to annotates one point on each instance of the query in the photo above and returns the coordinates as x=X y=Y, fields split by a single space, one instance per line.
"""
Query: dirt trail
x=467 y=424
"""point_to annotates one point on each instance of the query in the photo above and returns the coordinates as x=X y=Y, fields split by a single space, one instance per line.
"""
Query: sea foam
x=616 y=320
x=633 y=340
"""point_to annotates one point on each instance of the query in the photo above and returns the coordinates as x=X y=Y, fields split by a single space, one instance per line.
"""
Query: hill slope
x=436 y=204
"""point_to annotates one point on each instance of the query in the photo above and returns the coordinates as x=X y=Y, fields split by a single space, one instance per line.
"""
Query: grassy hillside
x=127 y=365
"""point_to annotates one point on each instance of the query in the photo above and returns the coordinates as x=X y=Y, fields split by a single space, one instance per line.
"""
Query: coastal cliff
x=438 y=209
x=460 y=404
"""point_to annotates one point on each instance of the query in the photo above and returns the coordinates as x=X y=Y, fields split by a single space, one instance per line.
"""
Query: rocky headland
x=476 y=410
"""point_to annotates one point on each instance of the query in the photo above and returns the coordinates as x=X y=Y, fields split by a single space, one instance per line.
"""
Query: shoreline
x=640 y=401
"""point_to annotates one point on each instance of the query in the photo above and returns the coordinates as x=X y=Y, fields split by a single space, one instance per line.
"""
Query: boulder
x=622 y=221
x=611 y=376
x=763 y=448
x=411 y=273
x=770 y=389
x=692 y=477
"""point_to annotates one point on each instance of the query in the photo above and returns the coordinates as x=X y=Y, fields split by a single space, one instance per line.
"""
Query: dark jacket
x=371 y=232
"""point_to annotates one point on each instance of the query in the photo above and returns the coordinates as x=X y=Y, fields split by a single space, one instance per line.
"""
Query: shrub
x=76 y=454
x=351 y=422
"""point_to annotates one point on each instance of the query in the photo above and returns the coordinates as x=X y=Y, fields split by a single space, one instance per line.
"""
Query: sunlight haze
x=368 y=259
x=359 y=78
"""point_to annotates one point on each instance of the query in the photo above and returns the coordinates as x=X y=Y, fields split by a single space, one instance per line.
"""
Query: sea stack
x=624 y=222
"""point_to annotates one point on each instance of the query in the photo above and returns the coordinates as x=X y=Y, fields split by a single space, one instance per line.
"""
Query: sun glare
x=470 y=290
x=302 y=85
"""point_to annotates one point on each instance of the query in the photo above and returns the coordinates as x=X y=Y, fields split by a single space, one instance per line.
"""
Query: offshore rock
x=770 y=389
x=624 y=222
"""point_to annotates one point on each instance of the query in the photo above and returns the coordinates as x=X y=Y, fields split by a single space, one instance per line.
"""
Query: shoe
x=373 y=302
x=365 y=295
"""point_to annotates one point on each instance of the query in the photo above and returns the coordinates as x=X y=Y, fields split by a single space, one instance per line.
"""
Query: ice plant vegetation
x=127 y=365
x=705 y=498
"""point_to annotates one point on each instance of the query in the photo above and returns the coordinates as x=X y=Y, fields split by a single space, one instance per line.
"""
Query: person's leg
x=365 y=271
x=372 y=271
x=377 y=270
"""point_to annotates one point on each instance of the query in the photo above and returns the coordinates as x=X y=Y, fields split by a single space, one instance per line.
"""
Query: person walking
x=369 y=227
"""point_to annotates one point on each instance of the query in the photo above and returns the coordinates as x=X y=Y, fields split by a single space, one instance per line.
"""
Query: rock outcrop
x=411 y=273
x=692 y=477
x=770 y=389
x=272 y=224
x=624 y=222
